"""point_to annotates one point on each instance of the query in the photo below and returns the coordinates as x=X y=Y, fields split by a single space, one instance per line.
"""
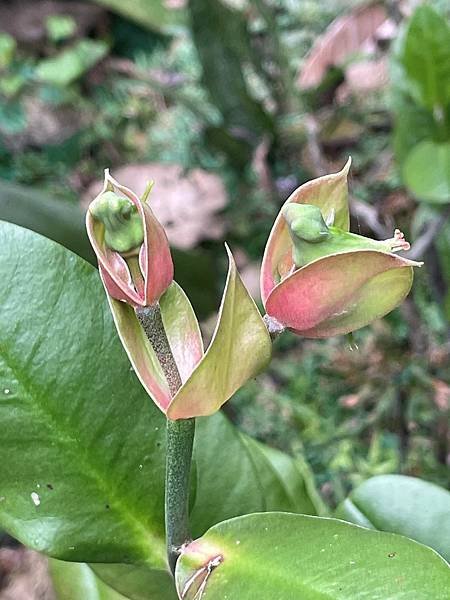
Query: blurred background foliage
x=229 y=105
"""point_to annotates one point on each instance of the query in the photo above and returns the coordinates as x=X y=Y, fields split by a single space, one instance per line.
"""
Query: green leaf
x=92 y=487
x=412 y=507
x=239 y=350
x=72 y=62
x=287 y=482
x=44 y=214
x=137 y=582
x=286 y=556
x=76 y=581
x=426 y=171
x=69 y=397
x=426 y=56
x=148 y=13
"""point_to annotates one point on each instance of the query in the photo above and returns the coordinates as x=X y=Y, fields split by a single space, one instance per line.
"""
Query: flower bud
x=131 y=246
x=317 y=278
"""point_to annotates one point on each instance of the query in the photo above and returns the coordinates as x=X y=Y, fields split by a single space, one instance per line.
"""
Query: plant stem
x=180 y=439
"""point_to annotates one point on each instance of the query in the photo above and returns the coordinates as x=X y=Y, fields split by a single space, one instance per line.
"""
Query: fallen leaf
x=345 y=36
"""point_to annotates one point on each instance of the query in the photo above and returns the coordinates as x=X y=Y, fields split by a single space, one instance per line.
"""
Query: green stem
x=180 y=439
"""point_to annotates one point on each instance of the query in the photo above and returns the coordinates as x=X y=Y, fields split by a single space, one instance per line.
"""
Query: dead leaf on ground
x=26 y=577
x=26 y=20
x=345 y=36
x=362 y=77
x=186 y=203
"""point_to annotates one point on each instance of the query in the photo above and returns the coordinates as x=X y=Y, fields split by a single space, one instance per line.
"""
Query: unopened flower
x=318 y=279
x=137 y=273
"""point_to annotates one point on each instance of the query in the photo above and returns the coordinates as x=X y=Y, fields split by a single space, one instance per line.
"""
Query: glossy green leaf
x=91 y=488
x=239 y=350
x=44 y=214
x=152 y=14
x=412 y=507
x=249 y=481
x=330 y=194
x=287 y=481
x=71 y=63
x=137 y=582
x=76 y=581
x=426 y=171
x=426 y=56
x=288 y=557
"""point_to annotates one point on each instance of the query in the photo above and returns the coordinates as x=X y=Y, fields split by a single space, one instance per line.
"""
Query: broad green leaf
x=137 y=582
x=288 y=557
x=153 y=14
x=72 y=62
x=239 y=350
x=76 y=581
x=82 y=446
x=426 y=171
x=412 y=507
x=426 y=56
x=249 y=480
x=53 y=218
x=91 y=488
x=286 y=480
x=330 y=194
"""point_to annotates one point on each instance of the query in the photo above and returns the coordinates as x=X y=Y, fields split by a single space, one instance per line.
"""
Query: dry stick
x=180 y=439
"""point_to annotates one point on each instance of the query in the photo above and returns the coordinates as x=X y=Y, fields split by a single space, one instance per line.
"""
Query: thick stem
x=180 y=438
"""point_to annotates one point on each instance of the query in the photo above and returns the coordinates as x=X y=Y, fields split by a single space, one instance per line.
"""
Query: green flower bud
x=124 y=229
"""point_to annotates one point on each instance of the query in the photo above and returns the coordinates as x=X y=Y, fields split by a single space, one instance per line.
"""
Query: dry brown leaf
x=364 y=76
x=441 y=395
x=25 y=20
x=345 y=36
x=185 y=203
x=26 y=577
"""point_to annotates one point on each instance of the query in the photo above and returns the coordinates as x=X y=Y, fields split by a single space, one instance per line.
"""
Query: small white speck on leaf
x=238 y=542
x=35 y=498
x=6 y=391
x=140 y=467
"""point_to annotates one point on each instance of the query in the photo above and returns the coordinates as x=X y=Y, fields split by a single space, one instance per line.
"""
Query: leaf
x=285 y=479
x=239 y=350
x=426 y=171
x=41 y=212
x=407 y=505
x=92 y=488
x=249 y=481
x=137 y=582
x=286 y=556
x=72 y=62
x=330 y=193
x=426 y=56
x=153 y=14
x=76 y=581
x=344 y=37
x=341 y=292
